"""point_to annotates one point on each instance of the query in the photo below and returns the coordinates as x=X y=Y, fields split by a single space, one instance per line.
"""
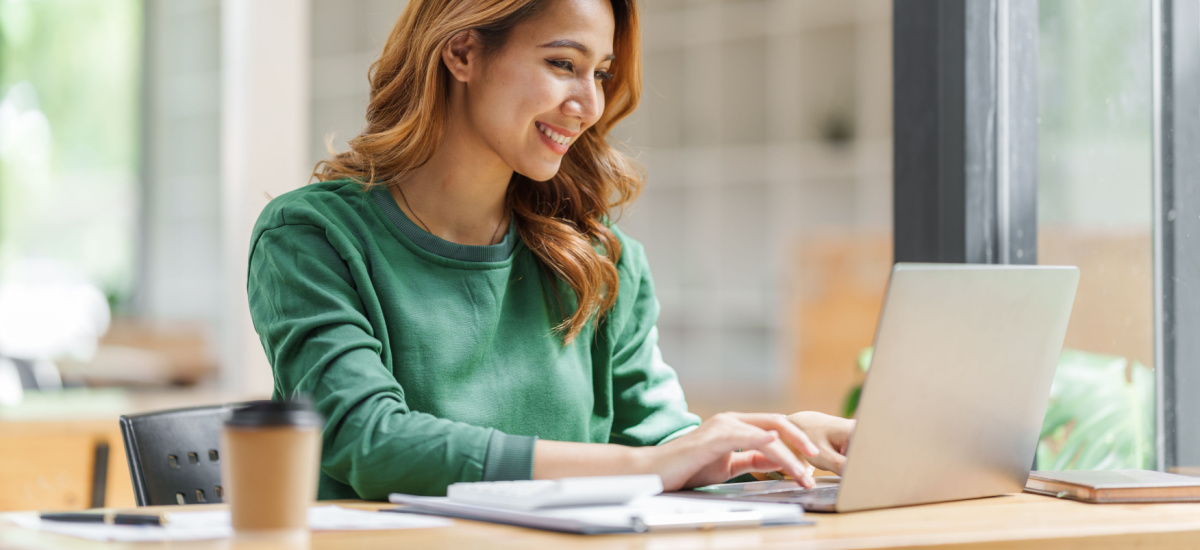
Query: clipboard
x=656 y=513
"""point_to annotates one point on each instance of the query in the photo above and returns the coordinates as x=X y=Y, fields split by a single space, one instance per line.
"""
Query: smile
x=554 y=136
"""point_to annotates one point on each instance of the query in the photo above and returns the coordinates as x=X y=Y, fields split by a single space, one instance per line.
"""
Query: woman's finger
x=788 y=462
x=788 y=430
x=738 y=436
x=751 y=461
x=734 y=431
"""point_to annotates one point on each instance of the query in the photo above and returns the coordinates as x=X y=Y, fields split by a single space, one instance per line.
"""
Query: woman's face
x=544 y=87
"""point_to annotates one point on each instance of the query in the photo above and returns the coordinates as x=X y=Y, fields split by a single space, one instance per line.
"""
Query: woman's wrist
x=558 y=459
x=645 y=460
x=674 y=462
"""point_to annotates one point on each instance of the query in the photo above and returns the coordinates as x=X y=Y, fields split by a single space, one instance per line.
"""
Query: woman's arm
x=316 y=333
x=724 y=446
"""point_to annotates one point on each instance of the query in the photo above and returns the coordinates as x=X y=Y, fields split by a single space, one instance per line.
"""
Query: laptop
x=953 y=403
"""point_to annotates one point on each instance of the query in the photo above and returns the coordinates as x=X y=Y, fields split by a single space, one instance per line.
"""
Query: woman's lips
x=554 y=138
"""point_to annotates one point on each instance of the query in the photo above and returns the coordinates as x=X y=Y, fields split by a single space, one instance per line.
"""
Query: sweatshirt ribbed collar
x=435 y=245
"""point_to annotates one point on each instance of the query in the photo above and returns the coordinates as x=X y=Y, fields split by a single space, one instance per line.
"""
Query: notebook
x=1100 y=486
x=652 y=513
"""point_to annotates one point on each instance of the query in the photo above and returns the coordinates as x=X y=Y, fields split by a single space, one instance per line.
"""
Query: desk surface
x=1014 y=521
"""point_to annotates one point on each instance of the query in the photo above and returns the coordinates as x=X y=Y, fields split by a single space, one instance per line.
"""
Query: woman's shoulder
x=324 y=203
x=633 y=255
x=633 y=270
x=636 y=298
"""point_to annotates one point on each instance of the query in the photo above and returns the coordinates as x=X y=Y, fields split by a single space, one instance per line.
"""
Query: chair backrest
x=174 y=456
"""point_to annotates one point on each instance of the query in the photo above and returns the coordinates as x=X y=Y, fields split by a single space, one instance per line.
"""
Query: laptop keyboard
x=824 y=496
x=818 y=499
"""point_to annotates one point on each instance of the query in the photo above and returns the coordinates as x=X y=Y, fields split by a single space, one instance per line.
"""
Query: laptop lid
x=959 y=383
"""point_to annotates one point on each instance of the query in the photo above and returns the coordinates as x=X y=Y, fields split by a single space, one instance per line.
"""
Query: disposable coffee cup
x=270 y=459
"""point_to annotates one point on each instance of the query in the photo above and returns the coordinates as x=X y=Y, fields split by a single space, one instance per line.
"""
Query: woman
x=451 y=294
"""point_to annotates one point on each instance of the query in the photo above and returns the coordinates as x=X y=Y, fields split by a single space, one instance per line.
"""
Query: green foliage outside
x=1100 y=415
x=70 y=127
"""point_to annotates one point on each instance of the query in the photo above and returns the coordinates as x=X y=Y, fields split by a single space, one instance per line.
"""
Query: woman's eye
x=568 y=66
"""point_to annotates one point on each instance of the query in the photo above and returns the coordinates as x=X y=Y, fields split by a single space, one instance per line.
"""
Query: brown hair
x=562 y=220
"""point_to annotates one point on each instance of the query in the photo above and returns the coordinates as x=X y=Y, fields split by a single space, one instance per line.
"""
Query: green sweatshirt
x=435 y=362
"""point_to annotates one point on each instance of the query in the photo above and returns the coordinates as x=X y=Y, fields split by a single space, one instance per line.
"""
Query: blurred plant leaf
x=851 y=405
x=864 y=358
x=1100 y=415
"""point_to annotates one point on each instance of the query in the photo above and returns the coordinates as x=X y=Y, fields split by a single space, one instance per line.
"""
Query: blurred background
x=134 y=159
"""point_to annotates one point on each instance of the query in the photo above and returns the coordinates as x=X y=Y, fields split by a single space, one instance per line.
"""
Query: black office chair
x=174 y=456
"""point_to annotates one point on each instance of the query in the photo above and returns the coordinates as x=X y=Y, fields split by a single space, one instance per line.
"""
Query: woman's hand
x=731 y=444
x=831 y=435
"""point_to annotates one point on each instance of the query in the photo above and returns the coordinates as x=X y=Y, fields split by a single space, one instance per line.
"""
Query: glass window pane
x=69 y=136
x=1095 y=211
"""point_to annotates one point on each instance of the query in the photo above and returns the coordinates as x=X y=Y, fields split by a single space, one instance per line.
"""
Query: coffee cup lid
x=275 y=413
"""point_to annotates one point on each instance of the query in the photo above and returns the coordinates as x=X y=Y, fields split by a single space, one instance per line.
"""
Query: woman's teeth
x=557 y=137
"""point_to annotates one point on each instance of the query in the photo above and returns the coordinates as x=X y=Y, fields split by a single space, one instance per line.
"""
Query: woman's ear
x=462 y=55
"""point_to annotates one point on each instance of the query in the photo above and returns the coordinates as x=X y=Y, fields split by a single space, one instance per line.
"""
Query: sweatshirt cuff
x=509 y=457
x=684 y=431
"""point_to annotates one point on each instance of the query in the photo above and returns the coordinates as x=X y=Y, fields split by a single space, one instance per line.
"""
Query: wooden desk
x=47 y=458
x=52 y=465
x=1017 y=521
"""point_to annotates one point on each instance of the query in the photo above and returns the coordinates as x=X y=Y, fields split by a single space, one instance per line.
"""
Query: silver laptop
x=953 y=403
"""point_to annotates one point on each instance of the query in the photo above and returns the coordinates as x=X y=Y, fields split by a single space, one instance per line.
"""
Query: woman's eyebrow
x=575 y=45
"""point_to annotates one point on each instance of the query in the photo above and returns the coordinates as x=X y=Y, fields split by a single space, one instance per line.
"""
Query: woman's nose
x=586 y=103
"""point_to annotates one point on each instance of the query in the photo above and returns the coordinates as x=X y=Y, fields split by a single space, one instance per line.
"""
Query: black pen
x=115 y=519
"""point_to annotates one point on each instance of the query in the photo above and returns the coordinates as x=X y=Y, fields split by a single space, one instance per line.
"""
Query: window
x=1116 y=131
x=1095 y=210
x=69 y=137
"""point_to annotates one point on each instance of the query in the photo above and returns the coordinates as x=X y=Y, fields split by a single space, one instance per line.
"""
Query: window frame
x=1175 y=39
x=965 y=132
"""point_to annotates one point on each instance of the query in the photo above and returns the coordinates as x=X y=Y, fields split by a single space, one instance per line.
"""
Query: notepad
x=1102 y=486
x=654 y=513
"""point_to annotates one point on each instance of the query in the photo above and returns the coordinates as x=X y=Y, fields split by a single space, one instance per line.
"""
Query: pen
x=115 y=519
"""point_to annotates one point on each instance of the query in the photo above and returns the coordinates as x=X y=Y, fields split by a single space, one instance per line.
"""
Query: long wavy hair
x=563 y=220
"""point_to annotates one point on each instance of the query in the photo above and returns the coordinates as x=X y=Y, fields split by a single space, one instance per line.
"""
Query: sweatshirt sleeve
x=320 y=343
x=649 y=404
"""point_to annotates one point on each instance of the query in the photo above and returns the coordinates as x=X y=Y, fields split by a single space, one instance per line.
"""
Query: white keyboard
x=549 y=493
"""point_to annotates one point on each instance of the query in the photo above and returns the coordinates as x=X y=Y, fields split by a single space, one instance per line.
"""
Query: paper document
x=215 y=524
x=644 y=514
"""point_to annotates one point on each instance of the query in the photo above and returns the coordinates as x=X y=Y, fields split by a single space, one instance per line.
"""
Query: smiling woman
x=530 y=77
x=441 y=347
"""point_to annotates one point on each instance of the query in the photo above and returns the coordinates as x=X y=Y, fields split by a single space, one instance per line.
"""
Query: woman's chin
x=540 y=173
